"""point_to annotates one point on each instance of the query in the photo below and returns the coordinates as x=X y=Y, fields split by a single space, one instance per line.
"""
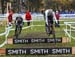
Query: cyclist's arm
x=46 y=17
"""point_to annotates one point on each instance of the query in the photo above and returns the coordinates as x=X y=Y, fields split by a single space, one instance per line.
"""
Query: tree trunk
x=2 y=6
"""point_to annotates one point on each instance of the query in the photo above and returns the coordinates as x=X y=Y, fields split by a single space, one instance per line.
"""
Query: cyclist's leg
x=20 y=29
x=48 y=31
x=53 y=31
x=46 y=26
x=16 y=29
x=49 y=26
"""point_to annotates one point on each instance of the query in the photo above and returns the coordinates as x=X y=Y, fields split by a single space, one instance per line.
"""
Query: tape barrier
x=37 y=40
x=38 y=51
x=1 y=34
x=6 y=33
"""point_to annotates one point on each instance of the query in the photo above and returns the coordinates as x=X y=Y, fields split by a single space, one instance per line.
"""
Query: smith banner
x=37 y=40
x=38 y=51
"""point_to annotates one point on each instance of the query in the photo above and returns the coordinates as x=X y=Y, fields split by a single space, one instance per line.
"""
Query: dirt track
x=35 y=35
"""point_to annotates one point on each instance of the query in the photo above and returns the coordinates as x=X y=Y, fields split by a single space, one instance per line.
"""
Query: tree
x=34 y=4
x=3 y=6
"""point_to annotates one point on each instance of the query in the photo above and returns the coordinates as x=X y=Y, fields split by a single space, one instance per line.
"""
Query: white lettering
x=21 y=41
x=60 y=51
x=39 y=51
x=50 y=40
x=37 y=40
x=19 y=51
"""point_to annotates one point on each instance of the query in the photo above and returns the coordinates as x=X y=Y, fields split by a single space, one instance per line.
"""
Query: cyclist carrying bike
x=18 y=23
x=50 y=16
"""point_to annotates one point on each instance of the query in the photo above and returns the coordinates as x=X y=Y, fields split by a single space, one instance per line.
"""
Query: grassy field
x=38 y=32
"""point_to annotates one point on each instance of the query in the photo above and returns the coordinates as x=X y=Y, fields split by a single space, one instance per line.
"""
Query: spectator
x=28 y=17
x=10 y=17
x=57 y=17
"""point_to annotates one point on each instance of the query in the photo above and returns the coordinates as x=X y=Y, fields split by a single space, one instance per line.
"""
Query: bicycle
x=50 y=30
x=18 y=31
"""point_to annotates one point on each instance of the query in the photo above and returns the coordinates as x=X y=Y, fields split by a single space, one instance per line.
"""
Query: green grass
x=2 y=29
x=39 y=32
x=2 y=38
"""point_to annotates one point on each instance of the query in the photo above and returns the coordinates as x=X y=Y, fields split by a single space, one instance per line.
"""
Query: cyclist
x=18 y=22
x=49 y=16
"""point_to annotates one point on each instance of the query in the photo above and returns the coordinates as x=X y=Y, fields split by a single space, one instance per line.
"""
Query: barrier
x=38 y=51
x=7 y=30
x=69 y=34
x=37 y=40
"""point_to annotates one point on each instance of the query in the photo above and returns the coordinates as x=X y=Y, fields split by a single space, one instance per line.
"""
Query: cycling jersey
x=50 y=18
x=19 y=20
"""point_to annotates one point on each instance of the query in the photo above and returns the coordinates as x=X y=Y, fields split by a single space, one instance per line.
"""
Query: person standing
x=10 y=17
x=57 y=17
x=28 y=18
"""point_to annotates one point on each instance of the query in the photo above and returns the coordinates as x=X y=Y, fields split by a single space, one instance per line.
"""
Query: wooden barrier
x=2 y=51
x=37 y=40
x=38 y=51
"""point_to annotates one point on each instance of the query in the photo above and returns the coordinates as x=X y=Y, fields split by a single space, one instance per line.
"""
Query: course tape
x=6 y=33
x=71 y=27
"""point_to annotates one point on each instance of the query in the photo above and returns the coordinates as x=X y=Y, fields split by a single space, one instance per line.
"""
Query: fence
x=68 y=30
